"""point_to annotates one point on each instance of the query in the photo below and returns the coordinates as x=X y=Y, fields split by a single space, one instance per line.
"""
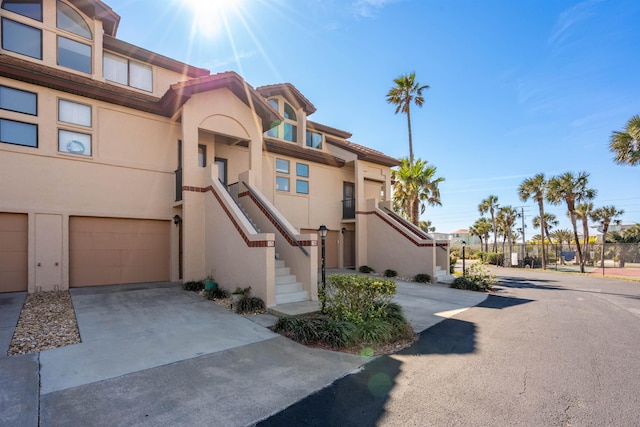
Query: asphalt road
x=545 y=349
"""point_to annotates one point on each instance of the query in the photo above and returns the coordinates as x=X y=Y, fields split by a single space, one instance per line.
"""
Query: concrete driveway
x=153 y=354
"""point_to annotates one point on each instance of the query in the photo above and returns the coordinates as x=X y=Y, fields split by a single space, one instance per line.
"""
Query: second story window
x=288 y=130
x=29 y=8
x=75 y=137
x=314 y=139
x=126 y=72
x=18 y=132
x=21 y=38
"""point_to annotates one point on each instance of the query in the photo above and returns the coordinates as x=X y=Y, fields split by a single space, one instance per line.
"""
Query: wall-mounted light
x=176 y=219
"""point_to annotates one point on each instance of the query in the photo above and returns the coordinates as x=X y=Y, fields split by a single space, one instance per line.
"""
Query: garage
x=13 y=252
x=108 y=251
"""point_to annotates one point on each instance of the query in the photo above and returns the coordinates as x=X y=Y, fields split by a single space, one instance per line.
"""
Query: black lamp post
x=322 y=231
x=464 y=271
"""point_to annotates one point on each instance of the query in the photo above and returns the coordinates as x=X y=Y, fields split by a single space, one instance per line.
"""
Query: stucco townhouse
x=120 y=165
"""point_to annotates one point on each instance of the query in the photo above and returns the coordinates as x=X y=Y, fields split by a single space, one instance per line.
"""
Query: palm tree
x=583 y=213
x=406 y=92
x=415 y=186
x=490 y=204
x=535 y=188
x=482 y=228
x=572 y=189
x=427 y=226
x=550 y=221
x=605 y=216
x=506 y=218
x=626 y=144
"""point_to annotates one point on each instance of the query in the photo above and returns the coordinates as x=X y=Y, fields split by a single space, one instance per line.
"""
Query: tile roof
x=291 y=93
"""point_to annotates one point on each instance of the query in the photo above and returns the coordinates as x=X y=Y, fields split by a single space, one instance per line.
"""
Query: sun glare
x=210 y=16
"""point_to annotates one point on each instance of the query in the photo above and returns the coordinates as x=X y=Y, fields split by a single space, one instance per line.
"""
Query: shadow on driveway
x=360 y=399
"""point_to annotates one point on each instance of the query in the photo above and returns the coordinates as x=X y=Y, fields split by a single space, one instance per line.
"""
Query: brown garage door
x=13 y=252
x=106 y=251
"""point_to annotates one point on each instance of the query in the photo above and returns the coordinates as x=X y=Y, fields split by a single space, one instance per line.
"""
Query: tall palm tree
x=490 y=204
x=506 y=218
x=605 y=216
x=407 y=91
x=550 y=221
x=415 y=186
x=482 y=228
x=536 y=188
x=583 y=213
x=572 y=189
x=626 y=144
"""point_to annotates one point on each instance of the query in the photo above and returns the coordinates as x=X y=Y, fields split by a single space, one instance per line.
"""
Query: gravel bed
x=47 y=321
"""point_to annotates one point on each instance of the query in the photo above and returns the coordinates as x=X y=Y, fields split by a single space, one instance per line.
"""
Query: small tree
x=625 y=144
x=605 y=216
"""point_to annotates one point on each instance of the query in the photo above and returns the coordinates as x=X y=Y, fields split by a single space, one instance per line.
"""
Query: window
x=74 y=142
x=282 y=166
x=302 y=170
x=74 y=55
x=314 y=139
x=282 y=183
x=74 y=113
x=69 y=20
x=290 y=129
x=289 y=114
x=19 y=101
x=121 y=70
x=202 y=156
x=29 y=8
x=22 y=39
x=302 y=187
x=13 y=132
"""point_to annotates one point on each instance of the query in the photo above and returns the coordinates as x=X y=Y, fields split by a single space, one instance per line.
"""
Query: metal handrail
x=234 y=197
x=275 y=218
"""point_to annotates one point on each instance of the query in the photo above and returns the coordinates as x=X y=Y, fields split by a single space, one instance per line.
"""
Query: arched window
x=290 y=124
x=289 y=113
x=69 y=20
x=29 y=8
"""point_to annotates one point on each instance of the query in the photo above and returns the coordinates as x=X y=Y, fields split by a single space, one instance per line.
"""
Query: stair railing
x=233 y=190
x=275 y=218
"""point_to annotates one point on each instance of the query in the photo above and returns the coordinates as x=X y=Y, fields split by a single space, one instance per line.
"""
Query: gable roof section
x=180 y=92
x=328 y=130
x=124 y=48
x=364 y=153
x=96 y=9
x=290 y=93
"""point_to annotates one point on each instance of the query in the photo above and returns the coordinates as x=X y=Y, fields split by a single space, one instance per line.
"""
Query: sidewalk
x=144 y=361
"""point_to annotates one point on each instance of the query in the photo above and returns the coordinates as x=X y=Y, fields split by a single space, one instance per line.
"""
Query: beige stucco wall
x=387 y=248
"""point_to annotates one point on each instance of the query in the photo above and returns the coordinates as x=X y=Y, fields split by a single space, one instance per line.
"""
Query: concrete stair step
x=290 y=297
x=282 y=271
x=283 y=288
x=288 y=278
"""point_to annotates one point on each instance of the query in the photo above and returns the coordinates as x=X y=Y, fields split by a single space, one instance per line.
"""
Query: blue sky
x=516 y=87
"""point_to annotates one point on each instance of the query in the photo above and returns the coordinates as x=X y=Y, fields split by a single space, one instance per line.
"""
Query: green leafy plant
x=422 y=278
x=390 y=273
x=242 y=291
x=476 y=278
x=452 y=263
x=357 y=298
x=193 y=286
x=249 y=304
x=366 y=269
x=216 y=293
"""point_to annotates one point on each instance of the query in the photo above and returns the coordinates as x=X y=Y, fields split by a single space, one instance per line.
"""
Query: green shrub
x=422 y=278
x=452 y=263
x=249 y=304
x=216 y=293
x=390 y=273
x=242 y=291
x=477 y=278
x=193 y=286
x=366 y=269
x=357 y=298
x=493 y=258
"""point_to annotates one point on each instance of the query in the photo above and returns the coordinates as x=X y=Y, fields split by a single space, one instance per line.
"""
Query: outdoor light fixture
x=176 y=219
x=322 y=232
x=464 y=271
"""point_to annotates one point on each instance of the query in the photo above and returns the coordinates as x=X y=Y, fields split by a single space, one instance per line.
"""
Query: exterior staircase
x=288 y=289
x=443 y=276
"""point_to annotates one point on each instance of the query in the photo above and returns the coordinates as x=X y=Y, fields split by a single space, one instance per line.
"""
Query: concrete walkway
x=156 y=355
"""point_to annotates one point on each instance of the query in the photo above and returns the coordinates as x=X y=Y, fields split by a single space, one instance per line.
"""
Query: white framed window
x=74 y=113
x=74 y=142
x=126 y=72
